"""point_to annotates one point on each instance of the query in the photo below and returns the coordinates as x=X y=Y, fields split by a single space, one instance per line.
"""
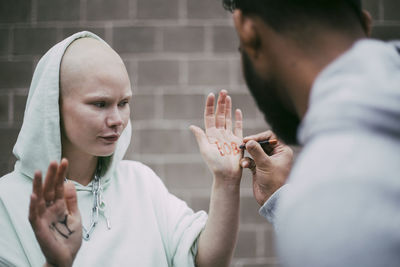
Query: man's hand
x=54 y=216
x=270 y=165
x=219 y=145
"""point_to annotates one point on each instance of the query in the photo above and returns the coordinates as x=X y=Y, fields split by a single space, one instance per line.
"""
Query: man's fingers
x=220 y=110
x=71 y=198
x=209 y=116
x=228 y=114
x=61 y=173
x=238 y=131
x=49 y=183
x=248 y=163
x=260 y=137
x=259 y=156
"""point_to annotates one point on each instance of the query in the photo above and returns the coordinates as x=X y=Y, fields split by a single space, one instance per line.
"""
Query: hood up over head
x=39 y=141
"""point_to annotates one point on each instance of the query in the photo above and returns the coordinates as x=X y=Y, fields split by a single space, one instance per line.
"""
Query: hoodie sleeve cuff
x=268 y=210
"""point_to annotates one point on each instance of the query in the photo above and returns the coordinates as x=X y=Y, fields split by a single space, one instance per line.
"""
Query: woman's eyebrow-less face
x=95 y=97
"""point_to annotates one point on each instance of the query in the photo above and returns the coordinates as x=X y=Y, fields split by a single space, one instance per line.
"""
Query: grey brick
x=373 y=8
x=4 y=107
x=4 y=168
x=107 y=10
x=238 y=73
x=225 y=39
x=158 y=72
x=246 y=245
x=270 y=248
x=19 y=107
x=7 y=141
x=157 y=9
x=183 y=39
x=208 y=72
x=58 y=10
x=386 y=32
x=201 y=203
x=100 y=31
x=246 y=103
x=34 y=41
x=391 y=9
x=206 y=9
x=15 y=74
x=183 y=106
x=157 y=141
x=249 y=210
x=134 y=39
x=143 y=107
x=15 y=11
x=187 y=176
x=4 y=41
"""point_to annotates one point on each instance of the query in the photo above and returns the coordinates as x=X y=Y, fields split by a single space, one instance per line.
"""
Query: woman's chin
x=104 y=152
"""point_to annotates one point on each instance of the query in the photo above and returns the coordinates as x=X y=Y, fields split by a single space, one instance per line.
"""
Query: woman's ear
x=246 y=28
x=367 y=22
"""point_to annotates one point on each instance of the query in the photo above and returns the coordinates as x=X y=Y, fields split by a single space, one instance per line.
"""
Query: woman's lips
x=111 y=138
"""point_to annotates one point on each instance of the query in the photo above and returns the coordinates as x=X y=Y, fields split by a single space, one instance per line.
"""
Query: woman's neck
x=81 y=166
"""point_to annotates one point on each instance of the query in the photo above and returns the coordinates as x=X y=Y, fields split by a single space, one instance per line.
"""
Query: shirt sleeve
x=268 y=210
x=185 y=226
x=179 y=225
x=11 y=252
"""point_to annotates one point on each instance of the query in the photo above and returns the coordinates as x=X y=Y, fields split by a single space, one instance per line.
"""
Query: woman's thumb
x=199 y=134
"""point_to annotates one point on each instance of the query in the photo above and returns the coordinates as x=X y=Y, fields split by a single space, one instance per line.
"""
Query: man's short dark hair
x=289 y=15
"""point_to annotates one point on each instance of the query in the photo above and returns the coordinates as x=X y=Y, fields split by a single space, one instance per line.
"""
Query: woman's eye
x=123 y=103
x=99 y=104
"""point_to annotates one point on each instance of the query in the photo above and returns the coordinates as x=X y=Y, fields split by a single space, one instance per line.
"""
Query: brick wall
x=176 y=52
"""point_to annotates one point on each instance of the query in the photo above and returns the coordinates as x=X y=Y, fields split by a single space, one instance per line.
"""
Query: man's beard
x=283 y=121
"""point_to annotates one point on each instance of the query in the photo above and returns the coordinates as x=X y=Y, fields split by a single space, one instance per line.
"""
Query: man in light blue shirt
x=321 y=83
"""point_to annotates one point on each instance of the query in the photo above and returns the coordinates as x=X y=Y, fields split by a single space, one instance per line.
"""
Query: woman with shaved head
x=76 y=131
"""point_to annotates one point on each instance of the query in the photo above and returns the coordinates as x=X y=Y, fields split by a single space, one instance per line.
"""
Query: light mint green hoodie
x=149 y=226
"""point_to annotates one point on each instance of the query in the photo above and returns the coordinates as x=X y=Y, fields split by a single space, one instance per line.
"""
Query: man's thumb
x=257 y=153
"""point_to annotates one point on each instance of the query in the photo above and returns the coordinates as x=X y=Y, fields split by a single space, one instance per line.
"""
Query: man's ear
x=246 y=28
x=367 y=22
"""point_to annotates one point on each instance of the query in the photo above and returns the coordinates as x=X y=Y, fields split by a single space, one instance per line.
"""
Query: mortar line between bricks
x=34 y=12
x=10 y=42
x=123 y=23
x=159 y=105
x=184 y=73
x=154 y=56
x=132 y=9
x=260 y=242
x=381 y=10
x=182 y=11
x=109 y=33
x=82 y=12
x=10 y=108
x=158 y=40
x=208 y=39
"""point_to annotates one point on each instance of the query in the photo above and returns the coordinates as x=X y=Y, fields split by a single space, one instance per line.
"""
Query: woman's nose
x=114 y=119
